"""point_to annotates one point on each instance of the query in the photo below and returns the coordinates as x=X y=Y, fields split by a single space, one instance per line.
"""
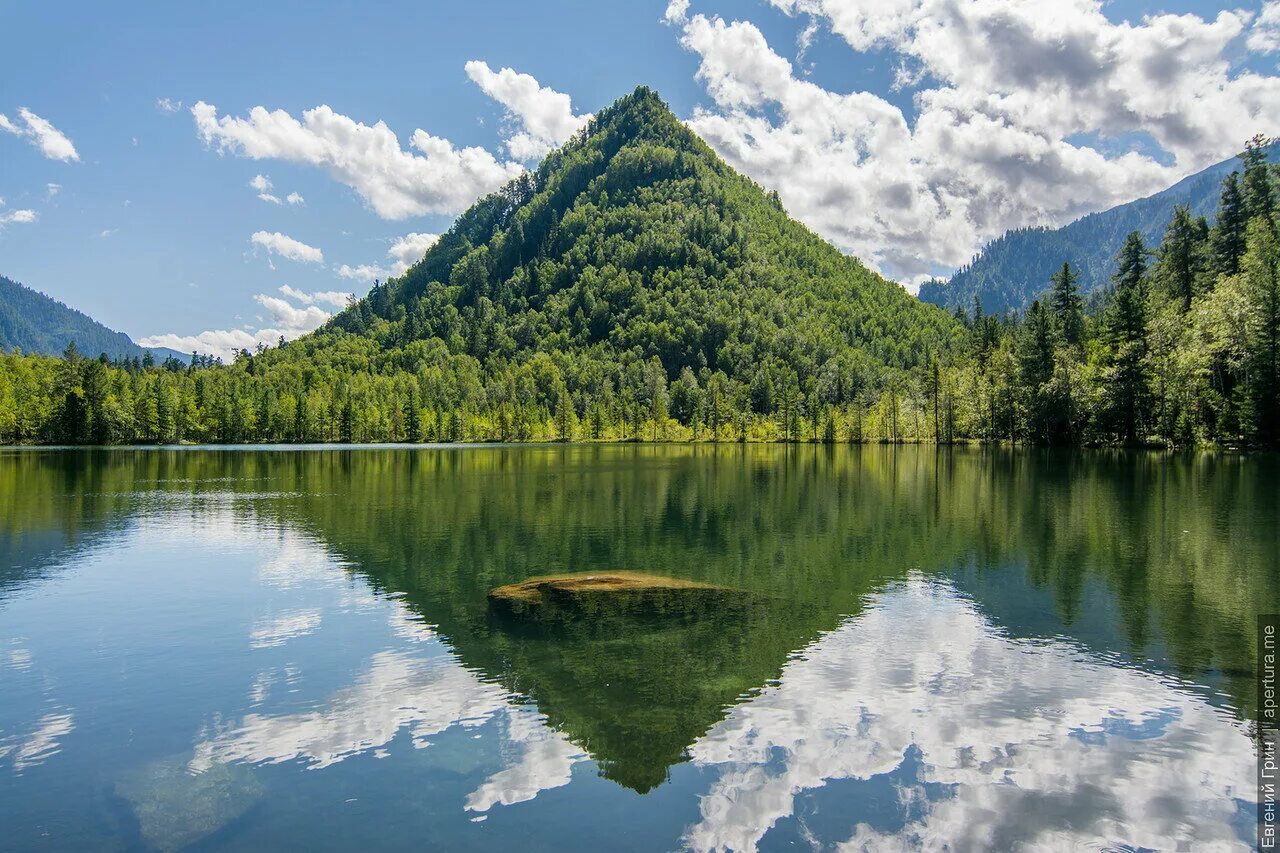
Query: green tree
x=1126 y=331
x=1181 y=258
x=1230 y=231
x=1261 y=274
x=1068 y=307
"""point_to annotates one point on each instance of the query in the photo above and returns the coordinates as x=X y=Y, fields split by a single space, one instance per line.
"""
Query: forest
x=635 y=288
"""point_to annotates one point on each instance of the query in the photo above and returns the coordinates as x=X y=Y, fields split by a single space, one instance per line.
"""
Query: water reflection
x=936 y=729
x=971 y=650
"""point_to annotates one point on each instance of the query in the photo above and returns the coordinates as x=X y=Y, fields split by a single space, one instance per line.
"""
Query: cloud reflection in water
x=1015 y=742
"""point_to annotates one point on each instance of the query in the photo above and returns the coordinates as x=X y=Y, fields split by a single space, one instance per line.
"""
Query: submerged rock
x=607 y=592
x=177 y=807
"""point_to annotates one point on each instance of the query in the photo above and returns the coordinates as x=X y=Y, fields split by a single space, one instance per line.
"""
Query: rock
x=607 y=592
x=177 y=806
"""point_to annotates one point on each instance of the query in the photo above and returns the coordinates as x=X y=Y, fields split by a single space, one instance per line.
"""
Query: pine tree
x=1126 y=326
x=1068 y=307
x=1259 y=190
x=1228 y=240
x=1181 y=260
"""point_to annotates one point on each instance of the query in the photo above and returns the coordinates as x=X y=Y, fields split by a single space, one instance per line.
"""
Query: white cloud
x=295 y=198
x=404 y=253
x=19 y=217
x=336 y=298
x=262 y=184
x=53 y=189
x=677 y=12
x=107 y=232
x=1264 y=37
x=287 y=247
x=544 y=115
x=363 y=272
x=52 y=143
x=409 y=249
x=395 y=183
x=295 y=320
x=1010 y=87
x=168 y=105
x=287 y=321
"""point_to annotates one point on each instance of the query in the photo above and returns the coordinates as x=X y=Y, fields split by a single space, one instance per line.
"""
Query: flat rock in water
x=603 y=592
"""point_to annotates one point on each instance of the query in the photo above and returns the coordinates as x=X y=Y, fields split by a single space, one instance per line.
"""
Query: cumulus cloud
x=1264 y=37
x=19 y=217
x=409 y=249
x=336 y=298
x=1006 y=92
x=287 y=247
x=262 y=184
x=677 y=12
x=53 y=189
x=52 y=143
x=168 y=105
x=545 y=117
x=404 y=253
x=287 y=320
x=363 y=272
x=295 y=198
x=396 y=183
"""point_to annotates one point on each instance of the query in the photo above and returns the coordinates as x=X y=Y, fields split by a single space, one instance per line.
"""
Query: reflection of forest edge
x=1182 y=546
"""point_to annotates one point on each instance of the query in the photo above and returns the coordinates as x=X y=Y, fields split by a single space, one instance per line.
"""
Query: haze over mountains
x=1013 y=270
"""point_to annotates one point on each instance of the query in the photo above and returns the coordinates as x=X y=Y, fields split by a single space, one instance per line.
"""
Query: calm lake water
x=248 y=649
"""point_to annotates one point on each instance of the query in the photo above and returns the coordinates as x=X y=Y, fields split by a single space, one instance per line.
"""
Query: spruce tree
x=1067 y=305
x=1181 y=257
x=1259 y=190
x=1228 y=239
x=1126 y=327
x=1035 y=362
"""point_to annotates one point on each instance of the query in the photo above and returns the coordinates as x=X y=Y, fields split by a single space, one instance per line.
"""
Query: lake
x=256 y=648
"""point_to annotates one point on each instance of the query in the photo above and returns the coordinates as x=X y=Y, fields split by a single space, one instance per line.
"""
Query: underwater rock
x=607 y=592
x=177 y=807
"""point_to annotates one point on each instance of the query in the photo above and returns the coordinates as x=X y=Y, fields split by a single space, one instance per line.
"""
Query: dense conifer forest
x=1014 y=270
x=634 y=287
x=35 y=323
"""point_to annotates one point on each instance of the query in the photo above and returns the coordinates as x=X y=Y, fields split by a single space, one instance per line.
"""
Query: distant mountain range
x=1013 y=270
x=36 y=323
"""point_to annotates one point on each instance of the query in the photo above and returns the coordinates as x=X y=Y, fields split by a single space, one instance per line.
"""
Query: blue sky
x=892 y=153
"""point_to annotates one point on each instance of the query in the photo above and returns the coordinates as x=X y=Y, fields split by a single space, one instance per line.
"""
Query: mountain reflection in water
x=971 y=649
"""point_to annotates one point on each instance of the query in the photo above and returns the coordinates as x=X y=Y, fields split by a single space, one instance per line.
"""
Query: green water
x=254 y=648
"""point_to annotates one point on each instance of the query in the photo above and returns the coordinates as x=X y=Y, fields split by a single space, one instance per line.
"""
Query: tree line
x=1180 y=351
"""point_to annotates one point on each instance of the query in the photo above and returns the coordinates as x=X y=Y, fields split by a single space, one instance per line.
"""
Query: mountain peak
x=633 y=242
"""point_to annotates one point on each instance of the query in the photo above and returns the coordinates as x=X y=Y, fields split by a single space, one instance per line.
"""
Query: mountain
x=636 y=241
x=36 y=323
x=1013 y=270
x=632 y=286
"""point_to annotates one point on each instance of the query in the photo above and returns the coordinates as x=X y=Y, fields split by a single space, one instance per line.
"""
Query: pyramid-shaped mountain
x=634 y=241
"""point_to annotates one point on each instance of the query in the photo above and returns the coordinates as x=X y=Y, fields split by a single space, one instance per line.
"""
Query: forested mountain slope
x=636 y=241
x=1014 y=269
x=35 y=323
x=636 y=287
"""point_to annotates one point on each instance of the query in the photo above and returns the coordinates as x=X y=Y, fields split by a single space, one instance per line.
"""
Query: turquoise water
x=250 y=649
